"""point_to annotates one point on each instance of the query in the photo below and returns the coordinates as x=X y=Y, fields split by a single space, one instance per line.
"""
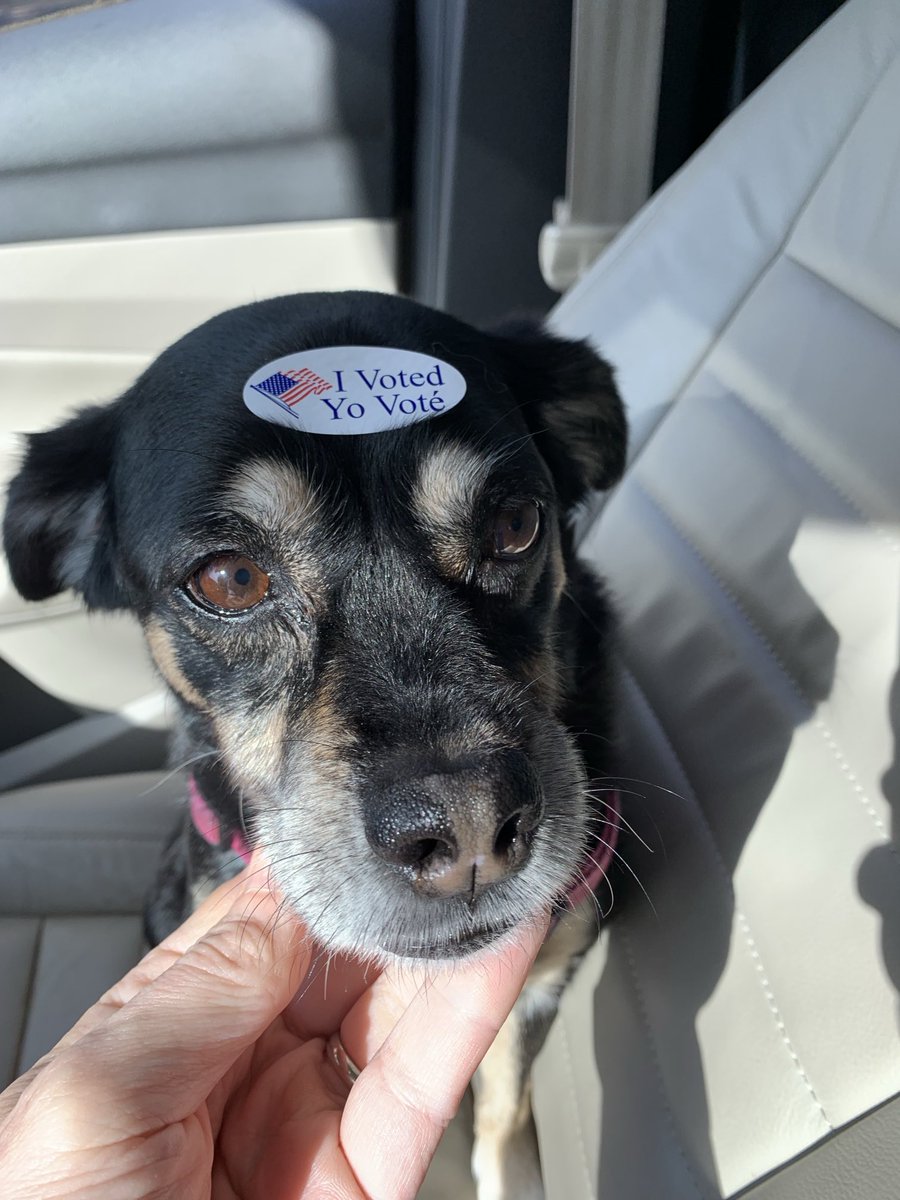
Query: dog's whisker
x=249 y=913
x=170 y=774
x=597 y=907
x=328 y=960
x=595 y=789
x=623 y=822
x=582 y=878
x=646 y=783
x=582 y=733
x=584 y=615
x=646 y=811
x=628 y=867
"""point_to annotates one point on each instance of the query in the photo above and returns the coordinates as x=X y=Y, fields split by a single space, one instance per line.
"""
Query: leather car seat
x=738 y=1021
x=735 y=1029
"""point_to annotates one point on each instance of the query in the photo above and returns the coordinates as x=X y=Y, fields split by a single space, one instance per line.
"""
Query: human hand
x=206 y=1073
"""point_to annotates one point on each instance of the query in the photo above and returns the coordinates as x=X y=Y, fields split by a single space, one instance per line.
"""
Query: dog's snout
x=455 y=832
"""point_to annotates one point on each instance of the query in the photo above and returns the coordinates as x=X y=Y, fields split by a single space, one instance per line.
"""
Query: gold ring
x=342 y=1061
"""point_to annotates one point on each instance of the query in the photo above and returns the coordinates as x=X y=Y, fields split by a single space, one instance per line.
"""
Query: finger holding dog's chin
x=479 y=983
x=420 y=1033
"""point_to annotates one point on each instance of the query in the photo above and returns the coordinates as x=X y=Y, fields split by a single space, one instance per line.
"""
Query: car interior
x=706 y=190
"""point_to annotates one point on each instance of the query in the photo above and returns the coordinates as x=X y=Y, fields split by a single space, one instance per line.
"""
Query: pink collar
x=207 y=824
x=592 y=868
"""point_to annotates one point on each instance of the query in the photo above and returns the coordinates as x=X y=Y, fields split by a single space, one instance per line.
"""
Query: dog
x=342 y=521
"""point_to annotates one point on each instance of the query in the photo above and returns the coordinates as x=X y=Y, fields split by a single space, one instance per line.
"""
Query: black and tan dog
x=389 y=668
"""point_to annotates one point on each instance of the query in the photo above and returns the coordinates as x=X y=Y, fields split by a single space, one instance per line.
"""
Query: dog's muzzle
x=592 y=869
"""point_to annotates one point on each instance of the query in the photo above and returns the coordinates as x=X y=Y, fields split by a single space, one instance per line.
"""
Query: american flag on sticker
x=290 y=387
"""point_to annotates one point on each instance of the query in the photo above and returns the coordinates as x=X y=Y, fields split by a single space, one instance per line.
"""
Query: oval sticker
x=353 y=389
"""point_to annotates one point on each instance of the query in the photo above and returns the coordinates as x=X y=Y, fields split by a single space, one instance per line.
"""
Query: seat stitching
x=742 y=921
x=776 y=1011
x=579 y=1133
x=856 y=787
x=657 y=1066
x=818 y=724
x=805 y=454
x=29 y=993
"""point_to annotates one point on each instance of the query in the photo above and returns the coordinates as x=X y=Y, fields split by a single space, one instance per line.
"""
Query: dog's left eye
x=515 y=529
x=228 y=583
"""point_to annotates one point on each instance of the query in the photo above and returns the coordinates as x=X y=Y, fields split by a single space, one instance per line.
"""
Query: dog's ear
x=570 y=401
x=57 y=531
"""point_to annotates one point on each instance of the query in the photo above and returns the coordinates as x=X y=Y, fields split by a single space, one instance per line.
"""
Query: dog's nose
x=455 y=832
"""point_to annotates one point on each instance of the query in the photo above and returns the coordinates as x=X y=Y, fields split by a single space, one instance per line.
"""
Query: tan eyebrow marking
x=278 y=498
x=273 y=493
x=450 y=480
x=444 y=496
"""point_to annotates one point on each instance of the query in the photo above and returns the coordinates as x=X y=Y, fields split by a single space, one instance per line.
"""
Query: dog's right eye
x=228 y=583
x=515 y=529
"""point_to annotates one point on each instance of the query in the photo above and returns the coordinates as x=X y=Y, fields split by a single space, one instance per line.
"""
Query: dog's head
x=368 y=627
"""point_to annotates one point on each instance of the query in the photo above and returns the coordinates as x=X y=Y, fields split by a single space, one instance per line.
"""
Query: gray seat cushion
x=158 y=114
x=75 y=863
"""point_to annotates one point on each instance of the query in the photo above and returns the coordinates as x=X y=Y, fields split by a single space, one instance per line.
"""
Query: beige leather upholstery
x=747 y=1005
